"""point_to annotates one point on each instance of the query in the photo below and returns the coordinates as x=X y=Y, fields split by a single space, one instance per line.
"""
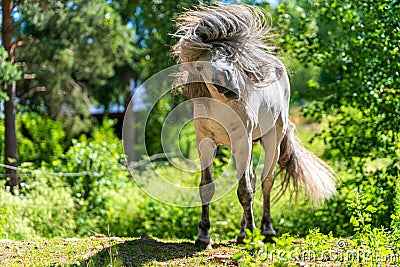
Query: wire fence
x=132 y=165
x=61 y=174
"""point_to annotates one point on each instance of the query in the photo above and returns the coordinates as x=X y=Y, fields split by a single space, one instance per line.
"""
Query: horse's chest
x=208 y=128
x=221 y=122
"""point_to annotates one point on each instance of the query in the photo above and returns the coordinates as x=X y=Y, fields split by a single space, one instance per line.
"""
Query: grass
x=316 y=249
x=114 y=252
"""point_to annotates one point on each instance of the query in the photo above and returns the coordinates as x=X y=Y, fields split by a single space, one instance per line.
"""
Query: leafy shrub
x=39 y=210
x=374 y=196
x=3 y=220
x=395 y=225
x=133 y=212
x=105 y=195
x=361 y=101
x=88 y=169
x=370 y=246
x=50 y=207
x=100 y=162
x=375 y=247
x=40 y=139
x=15 y=226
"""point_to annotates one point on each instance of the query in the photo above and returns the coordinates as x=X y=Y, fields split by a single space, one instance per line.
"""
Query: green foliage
x=372 y=199
x=40 y=139
x=153 y=218
x=361 y=60
x=187 y=141
x=99 y=160
x=133 y=212
x=89 y=168
x=375 y=247
x=332 y=216
x=155 y=124
x=43 y=208
x=395 y=225
x=9 y=73
x=3 y=219
x=71 y=51
x=154 y=24
x=355 y=46
x=298 y=29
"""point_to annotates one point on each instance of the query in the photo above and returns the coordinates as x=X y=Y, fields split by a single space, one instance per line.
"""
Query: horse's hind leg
x=206 y=149
x=270 y=143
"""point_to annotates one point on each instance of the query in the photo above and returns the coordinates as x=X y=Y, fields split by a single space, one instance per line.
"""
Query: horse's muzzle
x=226 y=84
x=229 y=93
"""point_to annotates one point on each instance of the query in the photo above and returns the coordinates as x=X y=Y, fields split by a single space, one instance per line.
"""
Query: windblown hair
x=237 y=31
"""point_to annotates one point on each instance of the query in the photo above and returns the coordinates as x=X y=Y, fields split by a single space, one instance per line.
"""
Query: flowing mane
x=239 y=31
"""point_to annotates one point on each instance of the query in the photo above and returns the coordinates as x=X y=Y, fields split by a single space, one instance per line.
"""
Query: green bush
x=3 y=220
x=133 y=212
x=39 y=210
x=40 y=139
x=369 y=247
x=104 y=196
x=90 y=168
x=100 y=162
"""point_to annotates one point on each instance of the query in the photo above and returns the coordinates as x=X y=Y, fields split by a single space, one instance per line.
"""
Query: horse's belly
x=265 y=122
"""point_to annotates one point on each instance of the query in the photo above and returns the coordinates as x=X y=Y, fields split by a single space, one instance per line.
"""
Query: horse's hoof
x=241 y=236
x=203 y=243
x=268 y=236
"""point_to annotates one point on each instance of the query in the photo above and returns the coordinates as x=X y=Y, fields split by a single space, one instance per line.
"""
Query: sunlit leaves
x=357 y=52
x=73 y=49
x=9 y=73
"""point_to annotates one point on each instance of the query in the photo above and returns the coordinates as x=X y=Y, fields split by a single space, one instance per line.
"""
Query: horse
x=241 y=94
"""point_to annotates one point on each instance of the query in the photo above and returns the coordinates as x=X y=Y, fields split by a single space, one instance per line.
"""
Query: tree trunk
x=129 y=131
x=10 y=106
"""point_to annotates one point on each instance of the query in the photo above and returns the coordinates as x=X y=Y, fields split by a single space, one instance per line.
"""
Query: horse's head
x=232 y=39
x=219 y=71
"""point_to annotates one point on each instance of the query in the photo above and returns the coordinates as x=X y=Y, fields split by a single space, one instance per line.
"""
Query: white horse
x=243 y=96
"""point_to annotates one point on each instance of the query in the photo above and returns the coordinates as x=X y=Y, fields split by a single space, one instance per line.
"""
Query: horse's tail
x=305 y=168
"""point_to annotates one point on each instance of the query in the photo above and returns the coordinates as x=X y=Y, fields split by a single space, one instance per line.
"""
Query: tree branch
x=28 y=76
x=31 y=92
x=18 y=43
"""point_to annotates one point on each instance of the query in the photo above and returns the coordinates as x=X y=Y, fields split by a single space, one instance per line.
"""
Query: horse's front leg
x=206 y=148
x=253 y=185
x=270 y=143
x=242 y=153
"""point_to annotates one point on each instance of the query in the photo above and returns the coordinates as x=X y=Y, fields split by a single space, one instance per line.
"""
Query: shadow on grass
x=144 y=251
